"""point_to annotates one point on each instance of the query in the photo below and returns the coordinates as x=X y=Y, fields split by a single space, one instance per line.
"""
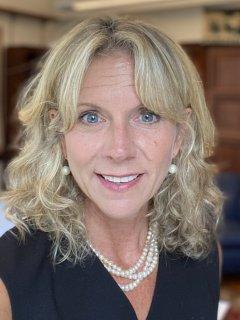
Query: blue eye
x=149 y=117
x=89 y=117
x=92 y=117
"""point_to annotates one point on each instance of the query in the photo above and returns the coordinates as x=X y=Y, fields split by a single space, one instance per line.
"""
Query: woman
x=111 y=193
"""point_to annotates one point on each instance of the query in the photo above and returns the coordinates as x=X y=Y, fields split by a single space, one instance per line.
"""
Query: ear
x=181 y=133
x=52 y=113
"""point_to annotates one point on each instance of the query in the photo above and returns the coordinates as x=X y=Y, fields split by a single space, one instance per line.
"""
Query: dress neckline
x=125 y=298
x=90 y=289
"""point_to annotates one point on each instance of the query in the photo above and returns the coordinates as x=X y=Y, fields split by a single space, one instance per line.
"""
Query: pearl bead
x=149 y=257
x=172 y=168
x=65 y=170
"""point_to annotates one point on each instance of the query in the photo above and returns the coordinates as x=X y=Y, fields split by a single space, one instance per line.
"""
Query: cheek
x=158 y=150
x=78 y=149
x=159 y=158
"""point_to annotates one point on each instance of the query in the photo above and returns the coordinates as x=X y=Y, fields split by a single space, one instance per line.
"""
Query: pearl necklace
x=149 y=257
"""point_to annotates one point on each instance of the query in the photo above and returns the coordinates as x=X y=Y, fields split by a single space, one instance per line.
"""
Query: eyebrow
x=92 y=105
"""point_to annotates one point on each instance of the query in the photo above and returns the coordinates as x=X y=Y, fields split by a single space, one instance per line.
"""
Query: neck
x=121 y=241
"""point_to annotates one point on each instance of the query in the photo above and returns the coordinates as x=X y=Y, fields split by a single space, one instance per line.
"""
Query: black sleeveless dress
x=185 y=289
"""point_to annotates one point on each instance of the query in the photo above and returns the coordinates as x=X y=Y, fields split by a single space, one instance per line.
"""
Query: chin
x=116 y=207
x=121 y=211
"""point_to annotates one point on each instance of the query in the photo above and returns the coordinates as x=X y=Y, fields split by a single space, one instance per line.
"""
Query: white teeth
x=118 y=179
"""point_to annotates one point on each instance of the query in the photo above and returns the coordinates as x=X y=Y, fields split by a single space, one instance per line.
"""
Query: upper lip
x=118 y=175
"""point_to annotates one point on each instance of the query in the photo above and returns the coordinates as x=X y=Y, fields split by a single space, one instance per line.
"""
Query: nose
x=120 y=144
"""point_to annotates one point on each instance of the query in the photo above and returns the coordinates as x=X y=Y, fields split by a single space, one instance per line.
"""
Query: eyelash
x=82 y=115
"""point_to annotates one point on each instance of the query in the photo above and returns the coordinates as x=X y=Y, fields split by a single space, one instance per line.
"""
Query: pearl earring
x=172 y=168
x=66 y=170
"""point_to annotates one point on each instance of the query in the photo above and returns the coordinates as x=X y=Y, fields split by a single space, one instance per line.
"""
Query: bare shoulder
x=5 y=305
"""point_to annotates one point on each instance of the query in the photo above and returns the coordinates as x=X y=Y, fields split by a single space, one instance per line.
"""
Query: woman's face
x=116 y=136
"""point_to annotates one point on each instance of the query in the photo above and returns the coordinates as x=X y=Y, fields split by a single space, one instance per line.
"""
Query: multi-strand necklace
x=148 y=259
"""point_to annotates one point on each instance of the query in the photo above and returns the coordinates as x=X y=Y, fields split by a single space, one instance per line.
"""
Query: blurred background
x=208 y=30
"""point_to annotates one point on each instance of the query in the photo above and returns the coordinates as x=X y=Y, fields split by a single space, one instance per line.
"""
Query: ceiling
x=123 y=6
x=67 y=9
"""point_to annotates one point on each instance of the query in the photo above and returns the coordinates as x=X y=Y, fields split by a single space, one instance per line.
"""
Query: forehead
x=116 y=69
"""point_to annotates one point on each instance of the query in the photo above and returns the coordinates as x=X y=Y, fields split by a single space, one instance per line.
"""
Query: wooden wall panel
x=223 y=67
x=219 y=67
x=223 y=93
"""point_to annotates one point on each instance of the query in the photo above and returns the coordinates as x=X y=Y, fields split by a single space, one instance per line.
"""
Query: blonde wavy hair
x=186 y=207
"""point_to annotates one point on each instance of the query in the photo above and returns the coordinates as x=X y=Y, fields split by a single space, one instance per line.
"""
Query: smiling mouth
x=120 y=182
x=119 y=186
x=118 y=175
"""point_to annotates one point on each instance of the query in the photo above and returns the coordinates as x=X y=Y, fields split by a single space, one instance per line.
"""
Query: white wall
x=183 y=25
x=27 y=31
x=45 y=8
